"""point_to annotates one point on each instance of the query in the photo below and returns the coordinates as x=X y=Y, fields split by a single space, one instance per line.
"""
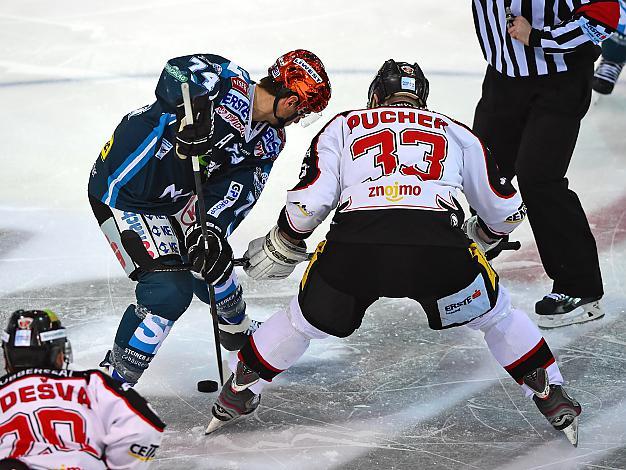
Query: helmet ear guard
x=398 y=80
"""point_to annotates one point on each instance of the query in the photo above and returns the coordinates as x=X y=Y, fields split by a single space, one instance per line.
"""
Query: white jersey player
x=55 y=418
x=393 y=173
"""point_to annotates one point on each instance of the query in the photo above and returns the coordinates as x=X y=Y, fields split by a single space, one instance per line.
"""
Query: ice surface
x=395 y=394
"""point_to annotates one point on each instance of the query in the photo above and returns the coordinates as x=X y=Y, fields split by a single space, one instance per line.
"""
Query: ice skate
x=556 y=310
x=234 y=336
x=606 y=76
x=106 y=365
x=235 y=400
x=555 y=404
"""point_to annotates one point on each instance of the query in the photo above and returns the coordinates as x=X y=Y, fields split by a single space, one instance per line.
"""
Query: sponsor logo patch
x=240 y=85
x=142 y=452
x=518 y=216
x=407 y=83
x=166 y=146
x=308 y=69
x=175 y=72
x=231 y=119
x=24 y=323
x=234 y=191
x=104 y=153
x=395 y=192
x=237 y=103
x=464 y=305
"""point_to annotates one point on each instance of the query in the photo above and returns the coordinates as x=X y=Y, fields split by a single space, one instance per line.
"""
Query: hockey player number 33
x=47 y=419
x=387 y=158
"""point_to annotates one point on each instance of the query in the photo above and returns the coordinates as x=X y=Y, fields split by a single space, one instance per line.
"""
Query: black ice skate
x=555 y=404
x=233 y=337
x=557 y=310
x=235 y=400
x=606 y=76
x=107 y=366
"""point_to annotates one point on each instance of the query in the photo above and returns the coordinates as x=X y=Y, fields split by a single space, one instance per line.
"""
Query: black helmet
x=399 y=79
x=34 y=338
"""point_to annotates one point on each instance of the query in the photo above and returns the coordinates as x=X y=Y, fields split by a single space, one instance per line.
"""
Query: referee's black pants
x=531 y=125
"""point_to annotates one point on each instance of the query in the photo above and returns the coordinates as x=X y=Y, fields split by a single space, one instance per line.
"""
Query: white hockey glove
x=272 y=256
x=473 y=230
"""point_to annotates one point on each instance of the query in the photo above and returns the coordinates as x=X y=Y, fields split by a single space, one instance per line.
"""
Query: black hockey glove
x=213 y=263
x=195 y=139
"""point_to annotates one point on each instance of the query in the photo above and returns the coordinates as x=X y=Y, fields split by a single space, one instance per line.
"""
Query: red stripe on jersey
x=606 y=13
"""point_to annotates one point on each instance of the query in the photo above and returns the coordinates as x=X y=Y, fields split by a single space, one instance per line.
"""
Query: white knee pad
x=301 y=324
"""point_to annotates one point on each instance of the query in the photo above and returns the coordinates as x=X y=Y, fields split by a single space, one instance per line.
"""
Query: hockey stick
x=195 y=162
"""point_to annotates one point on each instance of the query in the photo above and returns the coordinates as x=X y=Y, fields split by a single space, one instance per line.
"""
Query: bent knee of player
x=167 y=294
x=301 y=324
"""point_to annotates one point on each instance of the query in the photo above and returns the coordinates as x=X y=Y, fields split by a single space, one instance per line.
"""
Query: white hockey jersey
x=374 y=165
x=63 y=419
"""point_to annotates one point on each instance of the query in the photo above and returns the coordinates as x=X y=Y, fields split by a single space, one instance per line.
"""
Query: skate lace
x=254 y=325
x=609 y=71
x=557 y=297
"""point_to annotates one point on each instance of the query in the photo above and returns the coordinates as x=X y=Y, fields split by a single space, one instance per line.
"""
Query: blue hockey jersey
x=139 y=171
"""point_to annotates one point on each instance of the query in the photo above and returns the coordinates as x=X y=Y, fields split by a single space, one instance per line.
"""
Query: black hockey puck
x=207 y=386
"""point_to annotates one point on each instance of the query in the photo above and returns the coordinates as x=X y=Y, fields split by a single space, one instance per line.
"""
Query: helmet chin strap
x=282 y=122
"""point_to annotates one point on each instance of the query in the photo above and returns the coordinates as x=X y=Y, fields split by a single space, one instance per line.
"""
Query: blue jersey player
x=143 y=181
x=613 y=57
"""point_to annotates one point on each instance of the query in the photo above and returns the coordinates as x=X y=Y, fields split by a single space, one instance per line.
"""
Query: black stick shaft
x=201 y=217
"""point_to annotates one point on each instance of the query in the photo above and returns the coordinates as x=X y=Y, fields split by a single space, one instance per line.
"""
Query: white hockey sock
x=282 y=340
x=516 y=342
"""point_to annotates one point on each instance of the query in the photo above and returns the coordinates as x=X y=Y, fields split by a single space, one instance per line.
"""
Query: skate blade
x=571 y=432
x=214 y=425
x=578 y=315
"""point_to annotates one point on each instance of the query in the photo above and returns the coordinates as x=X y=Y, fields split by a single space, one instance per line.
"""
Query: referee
x=536 y=90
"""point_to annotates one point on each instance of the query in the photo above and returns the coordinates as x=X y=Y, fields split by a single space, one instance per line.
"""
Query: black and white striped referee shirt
x=565 y=32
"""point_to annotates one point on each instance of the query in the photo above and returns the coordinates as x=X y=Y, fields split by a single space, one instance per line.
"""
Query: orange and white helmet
x=302 y=73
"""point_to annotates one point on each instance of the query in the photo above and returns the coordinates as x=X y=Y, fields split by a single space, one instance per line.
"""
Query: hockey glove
x=213 y=262
x=195 y=139
x=273 y=257
x=474 y=231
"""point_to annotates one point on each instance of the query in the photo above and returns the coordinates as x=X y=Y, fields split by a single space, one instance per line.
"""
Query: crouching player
x=393 y=171
x=54 y=417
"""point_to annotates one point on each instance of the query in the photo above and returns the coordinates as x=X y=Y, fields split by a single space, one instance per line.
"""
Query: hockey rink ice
x=395 y=395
